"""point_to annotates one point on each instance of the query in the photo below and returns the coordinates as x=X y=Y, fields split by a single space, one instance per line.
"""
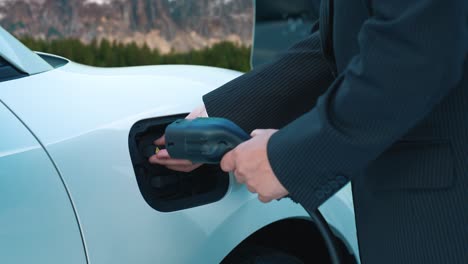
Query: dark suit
x=391 y=78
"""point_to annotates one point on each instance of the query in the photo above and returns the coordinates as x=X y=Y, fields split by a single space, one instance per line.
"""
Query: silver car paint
x=37 y=222
x=82 y=115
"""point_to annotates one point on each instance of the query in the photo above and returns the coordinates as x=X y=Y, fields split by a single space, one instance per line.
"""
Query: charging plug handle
x=203 y=139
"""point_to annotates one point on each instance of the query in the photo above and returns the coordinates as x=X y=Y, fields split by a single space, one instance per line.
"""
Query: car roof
x=22 y=58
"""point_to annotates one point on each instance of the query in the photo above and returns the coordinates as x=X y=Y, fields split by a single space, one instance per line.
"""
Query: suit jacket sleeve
x=272 y=95
x=411 y=55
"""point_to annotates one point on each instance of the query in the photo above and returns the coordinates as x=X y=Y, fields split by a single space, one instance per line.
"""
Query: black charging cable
x=326 y=232
x=328 y=237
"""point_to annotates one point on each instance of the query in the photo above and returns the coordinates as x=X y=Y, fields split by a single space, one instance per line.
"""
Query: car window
x=54 y=61
x=278 y=25
x=2 y=62
x=19 y=56
x=8 y=72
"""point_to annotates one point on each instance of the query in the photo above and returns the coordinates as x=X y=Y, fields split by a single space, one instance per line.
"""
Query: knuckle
x=262 y=199
x=240 y=172
x=238 y=177
x=251 y=189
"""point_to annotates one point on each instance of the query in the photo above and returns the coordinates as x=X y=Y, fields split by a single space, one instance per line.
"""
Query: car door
x=37 y=219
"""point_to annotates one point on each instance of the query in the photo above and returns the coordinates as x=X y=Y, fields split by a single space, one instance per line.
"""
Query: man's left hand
x=250 y=165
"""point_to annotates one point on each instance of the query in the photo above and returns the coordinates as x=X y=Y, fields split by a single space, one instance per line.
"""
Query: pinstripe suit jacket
x=377 y=95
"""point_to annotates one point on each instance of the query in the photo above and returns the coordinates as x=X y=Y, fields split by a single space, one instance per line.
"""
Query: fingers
x=163 y=154
x=251 y=189
x=200 y=111
x=264 y=199
x=255 y=132
x=160 y=141
x=175 y=164
x=260 y=197
x=228 y=163
x=184 y=168
x=239 y=177
x=163 y=158
x=258 y=132
x=169 y=162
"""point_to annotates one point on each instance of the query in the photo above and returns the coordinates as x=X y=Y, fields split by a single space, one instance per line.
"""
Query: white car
x=76 y=186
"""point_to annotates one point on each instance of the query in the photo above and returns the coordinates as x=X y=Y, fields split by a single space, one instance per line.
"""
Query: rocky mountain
x=178 y=25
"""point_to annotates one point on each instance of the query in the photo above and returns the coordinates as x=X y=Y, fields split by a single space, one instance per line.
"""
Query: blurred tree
x=112 y=54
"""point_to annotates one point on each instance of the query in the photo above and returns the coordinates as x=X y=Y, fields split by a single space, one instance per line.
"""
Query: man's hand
x=249 y=162
x=163 y=158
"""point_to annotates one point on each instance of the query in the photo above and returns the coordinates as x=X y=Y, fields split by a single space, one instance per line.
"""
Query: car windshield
x=19 y=56
x=2 y=62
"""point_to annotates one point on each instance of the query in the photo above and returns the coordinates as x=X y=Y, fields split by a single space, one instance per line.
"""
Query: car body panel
x=83 y=115
x=37 y=220
x=20 y=56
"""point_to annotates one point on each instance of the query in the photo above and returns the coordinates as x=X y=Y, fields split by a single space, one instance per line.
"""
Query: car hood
x=76 y=99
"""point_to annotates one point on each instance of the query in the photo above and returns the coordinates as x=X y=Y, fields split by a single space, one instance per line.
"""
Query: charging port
x=167 y=190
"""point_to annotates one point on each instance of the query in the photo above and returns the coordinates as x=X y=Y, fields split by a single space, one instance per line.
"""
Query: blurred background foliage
x=111 y=54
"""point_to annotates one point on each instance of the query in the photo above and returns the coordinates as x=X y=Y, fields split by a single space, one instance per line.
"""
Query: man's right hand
x=163 y=158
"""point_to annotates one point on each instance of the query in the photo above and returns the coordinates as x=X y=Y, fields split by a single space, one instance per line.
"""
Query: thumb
x=228 y=163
